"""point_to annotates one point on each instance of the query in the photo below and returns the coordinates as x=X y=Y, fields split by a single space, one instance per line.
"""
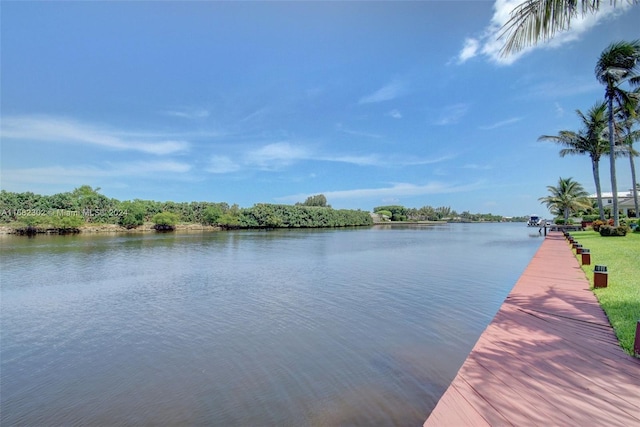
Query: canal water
x=289 y=327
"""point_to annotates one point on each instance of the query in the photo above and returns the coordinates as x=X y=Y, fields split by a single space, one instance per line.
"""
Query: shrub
x=132 y=215
x=398 y=213
x=388 y=214
x=607 y=230
x=68 y=223
x=590 y=218
x=131 y=219
x=597 y=224
x=165 y=220
x=229 y=220
x=561 y=221
x=212 y=215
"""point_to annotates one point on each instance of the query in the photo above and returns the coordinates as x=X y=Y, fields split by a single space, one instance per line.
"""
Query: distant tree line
x=429 y=213
x=86 y=205
x=299 y=216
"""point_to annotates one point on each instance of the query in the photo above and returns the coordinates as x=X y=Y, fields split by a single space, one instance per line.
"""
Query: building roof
x=609 y=194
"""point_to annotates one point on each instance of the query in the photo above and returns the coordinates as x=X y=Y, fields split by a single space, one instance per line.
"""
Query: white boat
x=534 y=221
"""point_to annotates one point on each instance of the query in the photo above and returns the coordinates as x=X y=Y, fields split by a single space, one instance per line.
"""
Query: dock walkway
x=549 y=357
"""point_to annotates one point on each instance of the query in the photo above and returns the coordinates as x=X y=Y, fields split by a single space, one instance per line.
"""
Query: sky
x=368 y=103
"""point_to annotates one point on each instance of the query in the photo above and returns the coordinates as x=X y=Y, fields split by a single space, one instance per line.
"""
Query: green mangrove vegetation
x=441 y=213
x=85 y=206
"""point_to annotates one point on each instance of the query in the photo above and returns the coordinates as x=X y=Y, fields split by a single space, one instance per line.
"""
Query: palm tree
x=618 y=63
x=568 y=196
x=588 y=140
x=534 y=20
x=628 y=119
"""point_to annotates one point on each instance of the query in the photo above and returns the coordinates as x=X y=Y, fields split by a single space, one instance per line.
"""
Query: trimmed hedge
x=607 y=230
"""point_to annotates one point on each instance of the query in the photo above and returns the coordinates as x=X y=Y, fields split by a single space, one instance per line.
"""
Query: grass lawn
x=621 y=298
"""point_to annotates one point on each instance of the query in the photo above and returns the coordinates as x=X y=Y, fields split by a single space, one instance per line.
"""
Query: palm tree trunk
x=595 y=165
x=634 y=188
x=612 y=158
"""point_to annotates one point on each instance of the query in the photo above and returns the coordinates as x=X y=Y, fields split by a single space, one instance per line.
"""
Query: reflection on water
x=322 y=327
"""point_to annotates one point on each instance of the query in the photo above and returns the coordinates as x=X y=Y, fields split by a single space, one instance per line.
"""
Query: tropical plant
x=445 y=212
x=608 y=230
x=386 y=214
x=317 y=200
x=212 y=215
x=629 y=118
x=165 y=219
x=132 y=214
x=618 y=64
x=67 y=223
x=535 y=20
x=398 y=213
x=568 y=196
x=588 y=140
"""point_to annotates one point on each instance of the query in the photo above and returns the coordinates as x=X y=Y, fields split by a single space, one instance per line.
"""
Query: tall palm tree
x=618 y=63
x=588 y=140
x=534 y=20
x=568 y=196
x=628 y=135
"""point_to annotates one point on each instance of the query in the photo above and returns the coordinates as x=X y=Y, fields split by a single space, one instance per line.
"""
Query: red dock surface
x=549 y=357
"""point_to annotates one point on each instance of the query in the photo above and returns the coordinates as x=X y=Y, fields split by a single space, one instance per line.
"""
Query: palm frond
x=618 y=62
x=536 y=20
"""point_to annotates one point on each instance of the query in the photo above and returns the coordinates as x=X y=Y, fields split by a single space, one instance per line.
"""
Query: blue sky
x=368 y=103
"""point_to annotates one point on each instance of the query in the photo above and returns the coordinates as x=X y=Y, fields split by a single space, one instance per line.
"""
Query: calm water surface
x=288 y=328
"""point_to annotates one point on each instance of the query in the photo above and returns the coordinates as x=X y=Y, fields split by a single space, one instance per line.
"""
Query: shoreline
x=410 y=223
x=148 y=227
x=112 y=228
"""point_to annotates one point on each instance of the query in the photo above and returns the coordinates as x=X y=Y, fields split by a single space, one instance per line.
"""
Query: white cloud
x=395 y=114
x=222 y=164
x=341 y=128
x=386 y=93
x=469 y=50
x=475 y=166
x=559 y=110
x=489 y=43
x=386 y=161
x=63 y=130
x=189 y=113
x=501 y=123
x=393 y=192
x=146 y=168
x=562 y=89
x=429 y=161
x=277 y=155
x=369 y=160
x=452 y=114
x=75 y=174
x=257 y=114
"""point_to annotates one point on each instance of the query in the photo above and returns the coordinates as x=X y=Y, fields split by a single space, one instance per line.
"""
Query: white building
x=625 y=202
